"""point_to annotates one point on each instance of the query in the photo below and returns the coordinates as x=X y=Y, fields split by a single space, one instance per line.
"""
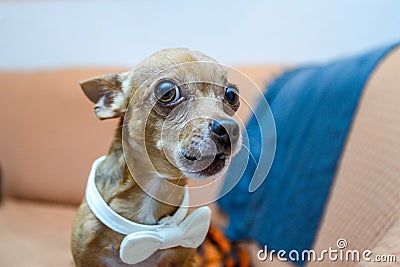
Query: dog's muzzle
x=209 y=156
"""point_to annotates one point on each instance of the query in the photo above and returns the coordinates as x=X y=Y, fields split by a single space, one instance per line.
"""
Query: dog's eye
x=232 y=96
x=167 y=92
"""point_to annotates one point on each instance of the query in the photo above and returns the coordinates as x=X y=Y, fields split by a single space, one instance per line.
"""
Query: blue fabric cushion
x=313 y=107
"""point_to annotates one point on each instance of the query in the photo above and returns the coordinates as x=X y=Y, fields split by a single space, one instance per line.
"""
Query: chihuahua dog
x=177 y=109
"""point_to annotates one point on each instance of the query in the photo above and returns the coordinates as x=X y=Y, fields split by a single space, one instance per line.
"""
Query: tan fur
x=94 y=244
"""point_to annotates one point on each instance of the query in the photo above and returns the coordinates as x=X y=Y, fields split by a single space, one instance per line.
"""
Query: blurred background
x=41 y=34
x=49 y=135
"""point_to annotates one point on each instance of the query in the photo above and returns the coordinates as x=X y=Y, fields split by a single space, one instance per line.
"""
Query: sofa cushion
x=49 y=134
x=35 y=234
x=364 y=207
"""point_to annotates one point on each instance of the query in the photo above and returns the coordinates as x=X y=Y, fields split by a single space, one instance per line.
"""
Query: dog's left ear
x=107 y=94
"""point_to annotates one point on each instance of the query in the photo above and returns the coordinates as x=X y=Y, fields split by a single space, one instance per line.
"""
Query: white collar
x=143 y=240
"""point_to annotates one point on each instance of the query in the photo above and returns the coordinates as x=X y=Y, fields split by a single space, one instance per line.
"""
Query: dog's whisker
x=122 y=125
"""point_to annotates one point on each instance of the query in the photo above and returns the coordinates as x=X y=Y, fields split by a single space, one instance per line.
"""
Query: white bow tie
x=142 y=240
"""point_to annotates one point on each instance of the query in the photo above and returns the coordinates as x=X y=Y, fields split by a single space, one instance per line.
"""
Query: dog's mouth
x=215 y=165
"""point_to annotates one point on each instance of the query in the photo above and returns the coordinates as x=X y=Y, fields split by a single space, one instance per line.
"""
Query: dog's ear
x=107 y=94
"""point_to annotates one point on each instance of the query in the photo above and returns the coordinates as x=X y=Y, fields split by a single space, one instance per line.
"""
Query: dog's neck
x=118 y=188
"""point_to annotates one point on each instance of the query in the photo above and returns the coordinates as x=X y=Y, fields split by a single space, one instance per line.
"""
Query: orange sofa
x=50 y=136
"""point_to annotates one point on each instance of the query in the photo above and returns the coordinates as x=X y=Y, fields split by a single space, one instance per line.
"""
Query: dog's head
x=178 y=109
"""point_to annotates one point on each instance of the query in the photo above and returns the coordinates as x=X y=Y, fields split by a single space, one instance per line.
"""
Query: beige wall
x=63 y=33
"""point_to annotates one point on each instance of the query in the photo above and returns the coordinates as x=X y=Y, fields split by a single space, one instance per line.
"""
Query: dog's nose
x=224 y=131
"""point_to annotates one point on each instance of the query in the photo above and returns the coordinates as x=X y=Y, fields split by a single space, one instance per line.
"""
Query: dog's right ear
x=107 y=94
